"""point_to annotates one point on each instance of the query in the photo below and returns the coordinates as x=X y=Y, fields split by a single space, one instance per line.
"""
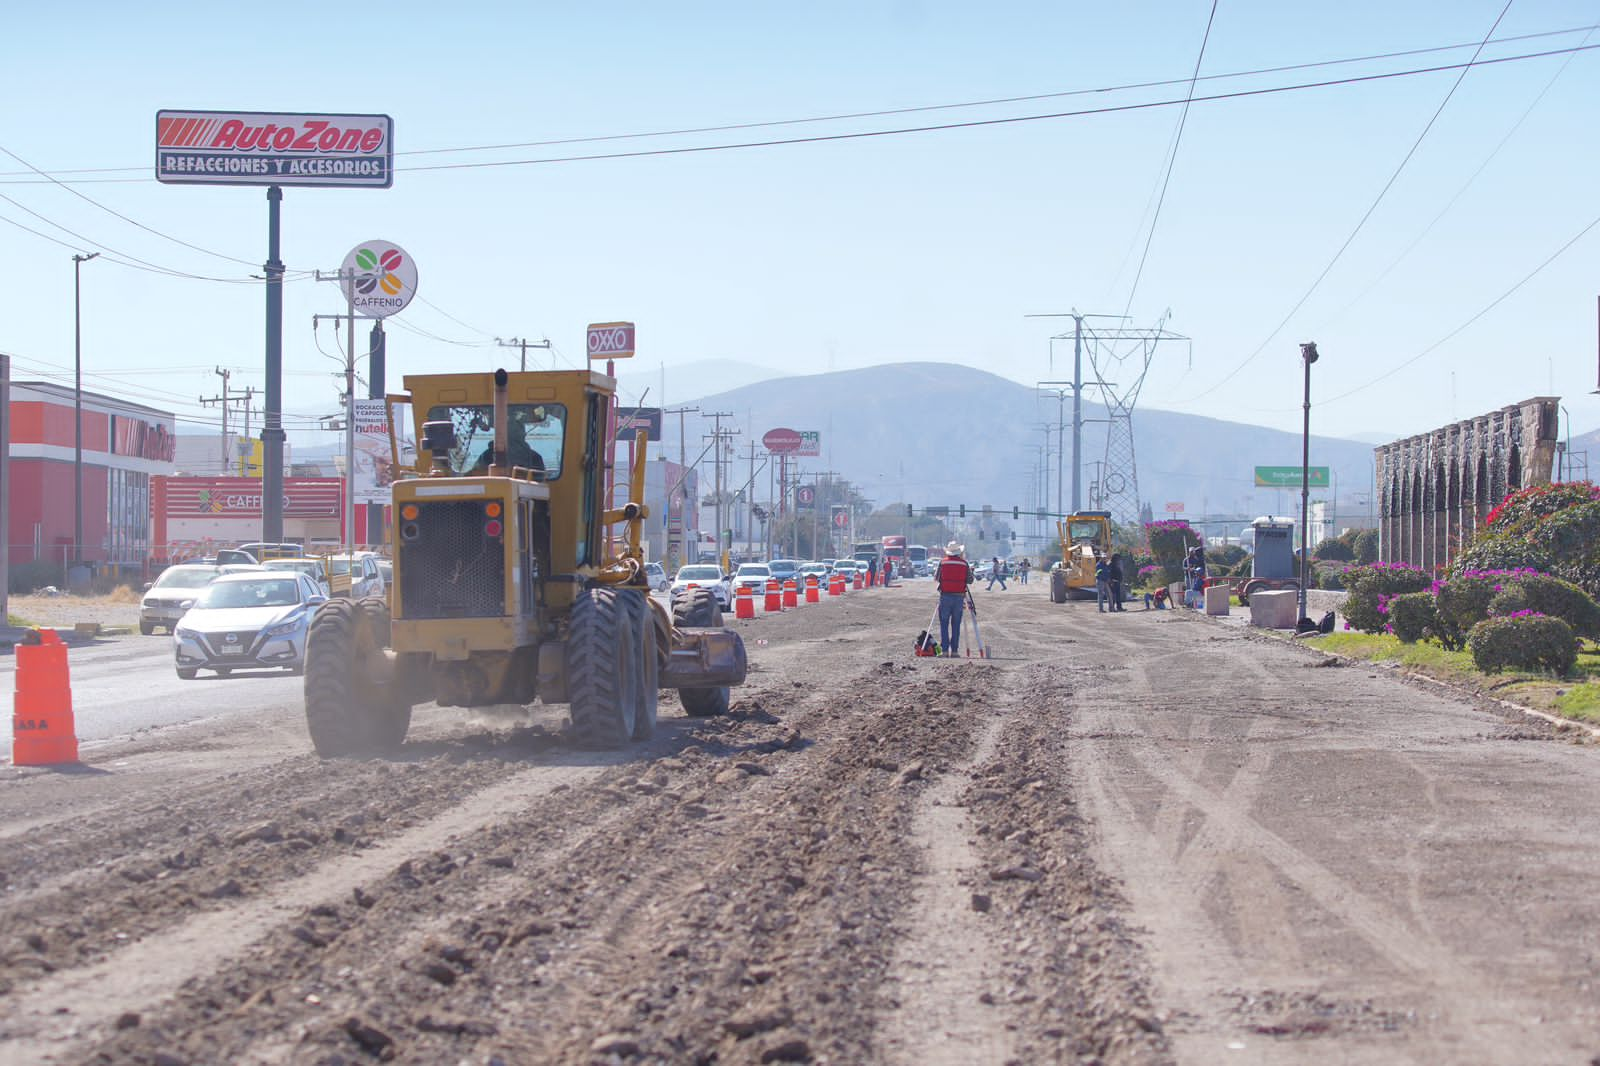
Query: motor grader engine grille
x=452 y=560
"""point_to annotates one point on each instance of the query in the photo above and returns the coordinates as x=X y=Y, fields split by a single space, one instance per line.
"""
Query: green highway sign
x=1288 y=477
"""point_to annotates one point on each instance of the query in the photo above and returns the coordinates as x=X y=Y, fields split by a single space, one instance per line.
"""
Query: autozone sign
x=269 y=148
x=611 y=340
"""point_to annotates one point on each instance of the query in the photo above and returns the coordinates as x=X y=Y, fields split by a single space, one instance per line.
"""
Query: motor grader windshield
x=1086 y=532
x=535 y=436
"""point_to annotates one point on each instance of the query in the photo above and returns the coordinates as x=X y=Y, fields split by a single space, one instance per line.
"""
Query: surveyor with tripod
x=953 y=577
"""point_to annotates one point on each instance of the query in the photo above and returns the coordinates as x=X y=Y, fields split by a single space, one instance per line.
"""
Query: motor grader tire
x=699 y=609
x=1058 y=586
x=602 y=669
x=347 y=711
x=647 y=692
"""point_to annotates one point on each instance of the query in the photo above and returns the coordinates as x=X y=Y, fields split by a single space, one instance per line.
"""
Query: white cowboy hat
x=955 y=549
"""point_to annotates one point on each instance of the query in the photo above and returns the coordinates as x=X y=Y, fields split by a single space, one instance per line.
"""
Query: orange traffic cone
x=774 y=602
x=744 y=602
x=42 y=728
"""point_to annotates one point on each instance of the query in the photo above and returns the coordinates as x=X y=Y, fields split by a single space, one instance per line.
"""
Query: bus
x=894 y=554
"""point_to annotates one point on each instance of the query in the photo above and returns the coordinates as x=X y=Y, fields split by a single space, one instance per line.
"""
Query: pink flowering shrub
x=1370 y=588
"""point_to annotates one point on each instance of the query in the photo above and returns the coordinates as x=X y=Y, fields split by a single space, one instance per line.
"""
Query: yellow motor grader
x=504 y=589
x=1085 y=540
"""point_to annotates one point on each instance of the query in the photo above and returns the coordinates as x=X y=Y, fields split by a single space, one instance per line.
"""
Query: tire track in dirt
x=946 y=960
x=33 y=1028
x=1256 y=878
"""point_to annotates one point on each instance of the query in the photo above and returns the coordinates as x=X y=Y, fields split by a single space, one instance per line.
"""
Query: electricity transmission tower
x=1119 y=358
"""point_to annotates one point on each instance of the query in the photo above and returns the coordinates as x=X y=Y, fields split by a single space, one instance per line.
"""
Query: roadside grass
x=1576 y=696
x=16 y=620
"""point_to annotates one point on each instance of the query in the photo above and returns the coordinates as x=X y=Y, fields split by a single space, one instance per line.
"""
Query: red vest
x=954 y=574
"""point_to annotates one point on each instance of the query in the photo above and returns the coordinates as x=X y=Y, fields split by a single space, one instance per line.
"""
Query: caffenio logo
x=378 y=278
x=211 y=501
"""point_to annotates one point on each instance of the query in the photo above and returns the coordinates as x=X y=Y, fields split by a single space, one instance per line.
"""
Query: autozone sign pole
x=274 y=149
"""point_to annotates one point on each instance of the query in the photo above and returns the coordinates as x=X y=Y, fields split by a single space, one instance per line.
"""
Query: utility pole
x=228 y=400
x=348 y=507
x=683 y=503
x=524 y=344
x=717 y=436
x=222 y=401
x=77 y=404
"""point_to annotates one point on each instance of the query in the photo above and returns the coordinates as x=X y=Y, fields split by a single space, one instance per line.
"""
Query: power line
x=1149 y=105
x=1172 y=159
x=1515 y=126
x=889 y=112
x=132 y=222
x=1490 y=306
x=1315 y=284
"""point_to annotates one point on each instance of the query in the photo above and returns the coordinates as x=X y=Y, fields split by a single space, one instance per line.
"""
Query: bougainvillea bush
x=1171 y=539
x=1462 y=601
x=1526 y=640
x=1411 y=615
x=1372 y=585
x=1499 y=551
x=1570 y=538
x=1519 y=512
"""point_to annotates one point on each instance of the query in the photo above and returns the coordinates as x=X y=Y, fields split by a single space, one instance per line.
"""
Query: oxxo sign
x=611 y=340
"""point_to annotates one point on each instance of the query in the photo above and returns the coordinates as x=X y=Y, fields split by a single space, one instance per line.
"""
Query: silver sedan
x=247 y=621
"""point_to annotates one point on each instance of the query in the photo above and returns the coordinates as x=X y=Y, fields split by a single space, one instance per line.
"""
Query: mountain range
x=947 y=435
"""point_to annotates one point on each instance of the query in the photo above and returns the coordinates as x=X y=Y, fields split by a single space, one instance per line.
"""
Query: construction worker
x=953 y=577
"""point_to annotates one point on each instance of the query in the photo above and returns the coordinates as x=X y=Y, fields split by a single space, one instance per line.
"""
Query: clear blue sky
x=841 y=254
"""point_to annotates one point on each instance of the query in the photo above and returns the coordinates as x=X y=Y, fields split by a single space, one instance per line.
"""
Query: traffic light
x=963 y=511
x=1013 y=536
x=1016 y=513
x=910 y=511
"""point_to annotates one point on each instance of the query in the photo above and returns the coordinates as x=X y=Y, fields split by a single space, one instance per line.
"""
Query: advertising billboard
x=631 y=420
x=374 y=462
x=274 y=148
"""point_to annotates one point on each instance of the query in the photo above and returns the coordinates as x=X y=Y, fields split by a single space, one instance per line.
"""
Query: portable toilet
x=1274 y=556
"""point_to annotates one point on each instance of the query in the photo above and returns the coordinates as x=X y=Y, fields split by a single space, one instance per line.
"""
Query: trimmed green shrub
x=1369 y=586
x=1551 y=596
x=1523 y=642
x=1365 y=544
x=1411 y=615
x=1335 y=550
x=1228 y=555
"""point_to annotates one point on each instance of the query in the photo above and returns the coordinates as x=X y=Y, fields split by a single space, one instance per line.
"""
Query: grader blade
x=704 y=658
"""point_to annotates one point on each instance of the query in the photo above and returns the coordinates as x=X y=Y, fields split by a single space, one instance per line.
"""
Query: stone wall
x=1436 y=489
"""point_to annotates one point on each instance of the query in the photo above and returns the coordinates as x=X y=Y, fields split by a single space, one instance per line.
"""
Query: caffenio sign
x=378 y=279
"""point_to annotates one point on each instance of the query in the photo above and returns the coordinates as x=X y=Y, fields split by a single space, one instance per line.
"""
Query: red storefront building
x=124 y=445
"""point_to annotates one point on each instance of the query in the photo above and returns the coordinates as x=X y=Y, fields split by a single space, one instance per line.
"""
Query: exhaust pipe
x=502 y=416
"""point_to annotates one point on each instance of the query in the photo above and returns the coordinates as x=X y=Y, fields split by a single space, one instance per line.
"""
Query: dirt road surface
x=1135 y=838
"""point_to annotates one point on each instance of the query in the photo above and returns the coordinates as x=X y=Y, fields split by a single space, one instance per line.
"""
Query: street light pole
x=77 y=404
x=1308 y=355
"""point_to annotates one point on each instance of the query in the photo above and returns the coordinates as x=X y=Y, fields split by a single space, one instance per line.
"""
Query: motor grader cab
x=506 y=585
x=1085 y=540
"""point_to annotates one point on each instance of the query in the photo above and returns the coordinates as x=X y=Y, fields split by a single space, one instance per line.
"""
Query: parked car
x=656 y=575
x=386 y=571
x=355 y=576
x=247 y=621
x=785 y=569
x=753 y=576
x=820 y=570
x=704 y=575
x=262 y=551
x=164 y=598
x=309 y=567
